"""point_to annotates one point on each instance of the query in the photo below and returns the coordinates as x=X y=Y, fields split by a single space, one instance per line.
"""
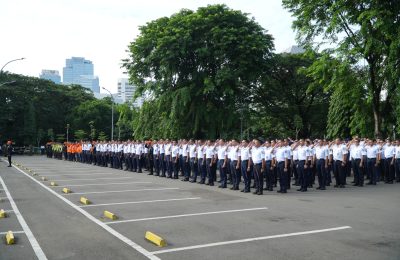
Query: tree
x=80 y=135
x=102 y=136
x=93 y=131
x=50 y=134
x=199 y=67
x=295 y=104
x=362 y=31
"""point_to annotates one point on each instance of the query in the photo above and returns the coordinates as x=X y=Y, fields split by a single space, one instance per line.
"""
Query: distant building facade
x=52 y=75
x=294 y=50
x=79 y=71
x=126 y=92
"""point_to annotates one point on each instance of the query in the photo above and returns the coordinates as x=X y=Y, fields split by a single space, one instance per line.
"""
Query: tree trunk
x=376 y=95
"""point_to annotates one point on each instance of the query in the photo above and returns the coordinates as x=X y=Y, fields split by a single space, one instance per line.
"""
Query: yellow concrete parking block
x=44 y=179
x=85 y=201
x=66 y=190
x=159 y=241
x=53 y=183
x=10 y=238
x=3 y=214
x=110 y=215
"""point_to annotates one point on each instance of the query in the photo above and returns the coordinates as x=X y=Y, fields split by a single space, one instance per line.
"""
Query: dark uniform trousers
x=194 y=168
x=186 y=167
x=321 y=172
x=372 y=170
x=162 y=164
x=268 y=176
x=175 y=167
x=202 y=170
x=222 y=172
x=246 y=174
x=389 y=170
x=397 y=162
x=156 y=164
x=209 y=167
x=357 y=171
x=258 y=178
x=283 y=178
x=339 y=172
x=302 y=174
x=235 y=174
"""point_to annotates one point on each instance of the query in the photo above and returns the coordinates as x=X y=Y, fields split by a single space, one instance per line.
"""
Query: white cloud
x=47 y=32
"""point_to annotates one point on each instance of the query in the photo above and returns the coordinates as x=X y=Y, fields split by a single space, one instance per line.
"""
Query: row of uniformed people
x=267 y=162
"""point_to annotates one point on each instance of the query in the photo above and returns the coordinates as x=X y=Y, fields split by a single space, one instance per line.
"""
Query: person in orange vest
x=78 y=150
x=69 y=151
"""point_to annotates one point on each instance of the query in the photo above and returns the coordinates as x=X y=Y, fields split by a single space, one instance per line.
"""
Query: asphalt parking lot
x=197 y=221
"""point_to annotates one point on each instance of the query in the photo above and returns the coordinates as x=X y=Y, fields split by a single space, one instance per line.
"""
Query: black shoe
x=322 y=189
x=299 y=189
x=246 y=191
x=279 y=191
x=369 y=183
x=9 y=166
x=202 y=182
x=270 y=189
x=360 y=185
x=211 y=184
x=255 y=193
x=303 y=190
x=390 y=182
x=149 y=174
x=341 y=186
x=336 y=186
x=192 y=181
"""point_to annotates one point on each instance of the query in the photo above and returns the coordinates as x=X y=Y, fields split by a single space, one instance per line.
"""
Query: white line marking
x=138 y=202
x=112 y=231
x=184 y=215
x=99 y=184
x=117 y=191
x=77 y=174
x=94 y=179
x=35 y=245
x=14 y=232
x=248 y=240
x=3 y=198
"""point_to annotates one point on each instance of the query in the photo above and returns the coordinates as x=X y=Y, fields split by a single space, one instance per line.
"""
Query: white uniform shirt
x=338 y=152
x=281 y=153
x=321 y=152
x=200 y=152
x=221 y=152
x=162 y=149
x=156 y=149
x=192 y=151
x=234 y=153
x=356 y=152
x=268 y=154
x=167 y=149
x=372 y=151
x=257 y=154
x=210 y=152
x=175 y=151
x=184 y=150
x=295 y=153
x=244 y=153
x=397 y=152
x=303 y=152
x=389 y=151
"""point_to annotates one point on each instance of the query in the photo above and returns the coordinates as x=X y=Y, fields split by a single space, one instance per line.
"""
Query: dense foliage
x=34 y=111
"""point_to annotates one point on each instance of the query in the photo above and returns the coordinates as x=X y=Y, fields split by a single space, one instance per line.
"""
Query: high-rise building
x=294 y=49
x=79 y=71
x=126 y=92
x=52 y=75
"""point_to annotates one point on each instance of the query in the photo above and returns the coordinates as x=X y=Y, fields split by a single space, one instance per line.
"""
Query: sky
x=46 y=32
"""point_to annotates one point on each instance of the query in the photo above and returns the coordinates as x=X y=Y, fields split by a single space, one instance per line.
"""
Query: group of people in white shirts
x=254 y=163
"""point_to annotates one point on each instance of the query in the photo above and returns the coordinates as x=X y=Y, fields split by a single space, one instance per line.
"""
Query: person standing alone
x=9 y=152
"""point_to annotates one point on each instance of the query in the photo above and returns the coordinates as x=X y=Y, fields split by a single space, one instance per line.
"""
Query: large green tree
x=199 y=68
x=360 y=31
x=290 y=99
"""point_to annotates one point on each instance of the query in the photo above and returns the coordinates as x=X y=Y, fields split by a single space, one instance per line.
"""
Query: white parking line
x=184 y=215
x=35 y=245
x=95 y=179
x=117 y=191
x=248 y=240
x=139 y=202
x=75 y=174
x=14 y=232
x=95 y=220
x=100 y=184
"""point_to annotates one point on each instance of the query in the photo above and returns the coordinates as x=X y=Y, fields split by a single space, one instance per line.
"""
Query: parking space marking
x=138 y=202
x=14 y=232
x=110 y=230
x=35 y=245
x=99 y=184
x=95 y=179
x=75 y=174
x=118 y=191
x=249 y=240
x=184 y=215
